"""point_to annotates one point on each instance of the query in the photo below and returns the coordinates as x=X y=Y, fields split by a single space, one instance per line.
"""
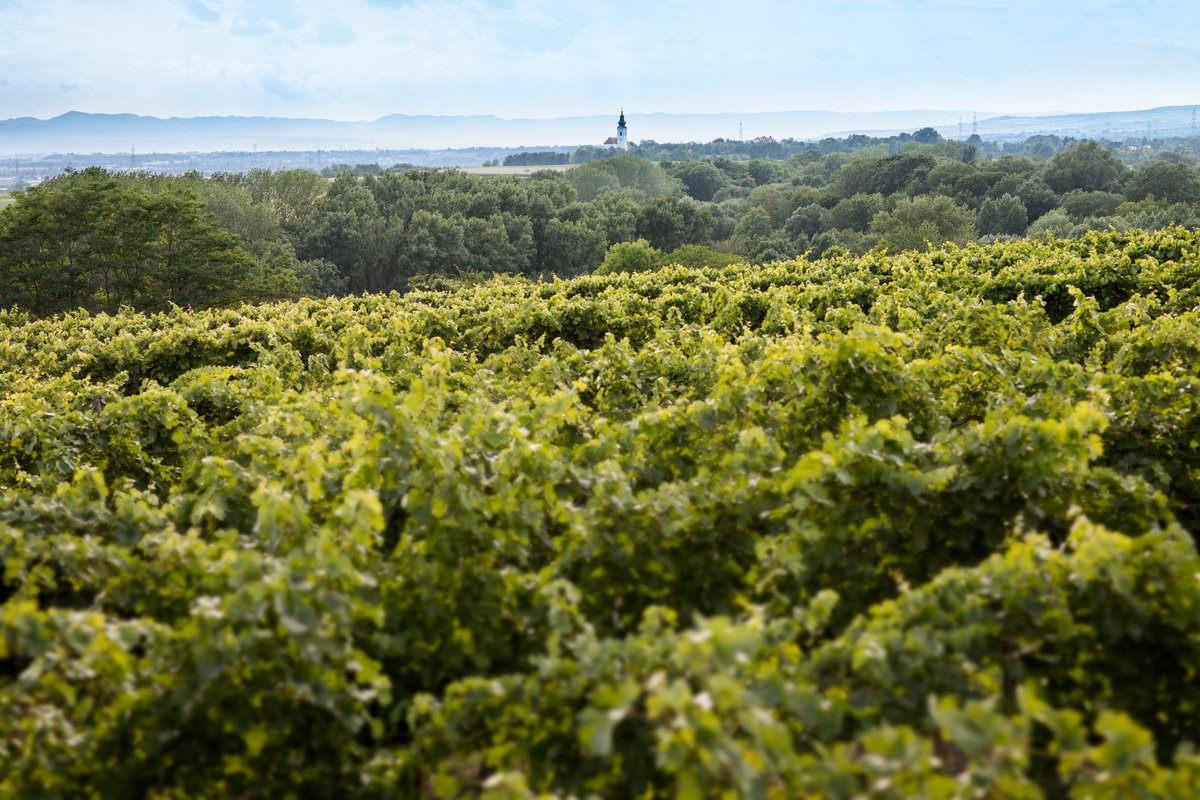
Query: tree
x=590 y=180
x=627 y=172
x=256 y=224
x=570 y=248
x=701 y=179
x=1086 y=166
x=927 y=136
x=1081 y=205
x=779 y=200
x=98 y=241
x=774 y=247
x=929 y=219
x=636 y=256
x=764 y=171
x=753 y=227
x=1005 y=215
x=1055 y=223
x=1165 y=182
x=855 y=212
x=904 y=172
x=489 y=248
x=615 y=213
x=191 y=261
x=805 y=221
x=349 y=230
x=1037 y=197
x=51 y=238
x=668 y=222
x=434 y=244
x=293 y=193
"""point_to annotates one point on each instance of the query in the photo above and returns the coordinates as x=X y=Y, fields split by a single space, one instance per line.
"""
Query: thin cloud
x=286 y=89
x=546 y=58
x=334 y=33
x=203 y=11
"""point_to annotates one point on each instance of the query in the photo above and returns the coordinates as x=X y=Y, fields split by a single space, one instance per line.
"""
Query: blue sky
x=362 y=59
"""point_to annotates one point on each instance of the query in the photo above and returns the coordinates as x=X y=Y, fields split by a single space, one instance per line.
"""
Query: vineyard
x=878 y=526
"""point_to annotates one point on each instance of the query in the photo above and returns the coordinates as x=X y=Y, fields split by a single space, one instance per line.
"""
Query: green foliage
x=1003 y=215
x=700 y=178
x=669 y=222
x=904 y=173
x=543 y=158
x=636 y=256
x=626 y=172
x=1165 y=182
x=1081 y=205
x=101 y=242
x=806 y=221
x=696 y=256
x=1057 y=223
x=921 y=221
x=891 y=525
x=1086 y=166
x=855 y=212
x=371 y=230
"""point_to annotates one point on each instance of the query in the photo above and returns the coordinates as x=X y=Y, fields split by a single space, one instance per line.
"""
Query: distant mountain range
x=78 y=132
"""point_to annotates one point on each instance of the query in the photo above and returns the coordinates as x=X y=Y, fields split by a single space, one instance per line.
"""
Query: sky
x=364 y=59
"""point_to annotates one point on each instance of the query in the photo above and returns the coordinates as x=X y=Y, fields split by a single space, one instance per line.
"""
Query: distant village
x=621 y=140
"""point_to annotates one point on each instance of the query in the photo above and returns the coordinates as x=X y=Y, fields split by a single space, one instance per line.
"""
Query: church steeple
x=622 y=132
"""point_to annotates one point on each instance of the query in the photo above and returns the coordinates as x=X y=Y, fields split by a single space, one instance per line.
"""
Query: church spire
x=621 y=121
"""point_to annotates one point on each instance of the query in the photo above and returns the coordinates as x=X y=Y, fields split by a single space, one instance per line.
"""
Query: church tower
x=622 y=133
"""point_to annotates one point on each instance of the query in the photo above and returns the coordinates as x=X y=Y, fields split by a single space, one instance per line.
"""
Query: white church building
x=621 y=140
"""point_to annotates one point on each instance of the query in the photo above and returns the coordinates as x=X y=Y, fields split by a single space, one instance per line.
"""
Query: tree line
x=769 y=210
x=102 y=241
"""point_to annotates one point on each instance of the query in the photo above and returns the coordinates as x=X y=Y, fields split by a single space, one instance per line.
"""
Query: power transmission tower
x=740 y=137
x=960 y=127
x=974 y=124
x=1193 y=123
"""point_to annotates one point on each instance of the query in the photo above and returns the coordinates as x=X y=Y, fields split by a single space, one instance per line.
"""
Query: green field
x=889 y=526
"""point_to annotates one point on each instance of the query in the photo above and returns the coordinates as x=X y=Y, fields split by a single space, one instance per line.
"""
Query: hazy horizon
x=534 y=59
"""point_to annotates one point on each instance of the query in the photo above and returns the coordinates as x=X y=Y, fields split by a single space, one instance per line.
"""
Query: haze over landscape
x=365 y=60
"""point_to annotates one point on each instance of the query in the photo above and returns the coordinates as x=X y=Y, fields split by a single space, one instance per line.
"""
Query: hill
x=1163 y=123
x=88 y=133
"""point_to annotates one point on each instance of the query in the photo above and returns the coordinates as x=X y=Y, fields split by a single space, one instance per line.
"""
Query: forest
x=103 y=241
